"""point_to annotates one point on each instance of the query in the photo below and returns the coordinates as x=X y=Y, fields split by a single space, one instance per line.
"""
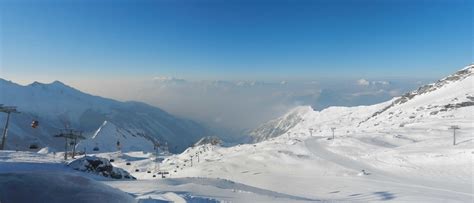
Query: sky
x=142 y=49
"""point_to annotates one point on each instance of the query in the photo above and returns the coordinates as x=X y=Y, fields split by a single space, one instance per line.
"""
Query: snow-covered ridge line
x=432 y=101
x=456 y=77
x=280 y=125
x=56 y=106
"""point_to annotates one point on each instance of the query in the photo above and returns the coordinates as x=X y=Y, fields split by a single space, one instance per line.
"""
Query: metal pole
x=65 y=149
x=454 y=127
x=454 y=136
x=74 y=148
x=333 y=133
x=5 y=130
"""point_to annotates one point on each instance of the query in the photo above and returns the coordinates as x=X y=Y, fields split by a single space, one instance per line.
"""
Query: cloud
x=230 y=107
x=363 y=82
x=165 y=79
x=368 y=93
x=380 y=83
x=395 y=92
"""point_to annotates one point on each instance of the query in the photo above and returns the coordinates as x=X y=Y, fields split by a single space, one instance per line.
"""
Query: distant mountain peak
x=55 y=83
x=58 y=83
x=439 y=100
x=56 y=104
x=459 y=75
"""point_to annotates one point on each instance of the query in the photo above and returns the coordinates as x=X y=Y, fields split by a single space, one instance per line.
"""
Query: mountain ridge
x=56 y=105
x=446 y=94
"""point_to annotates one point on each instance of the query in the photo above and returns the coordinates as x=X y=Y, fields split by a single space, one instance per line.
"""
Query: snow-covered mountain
x=212 y=140
x=442 y=99
x=57 y=106
x=280 y=125
x=398 y=151
x=110 y=138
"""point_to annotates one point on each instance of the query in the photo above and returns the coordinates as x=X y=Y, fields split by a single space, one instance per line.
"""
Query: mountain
x=401 y=150
x=212 y=140
x=438 y=100
x=57 y=106
x=280 y=125
x=110 y=138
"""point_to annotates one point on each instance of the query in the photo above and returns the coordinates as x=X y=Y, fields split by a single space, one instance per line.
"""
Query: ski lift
x=96 y=148
x=33 y=146
x=34 y=124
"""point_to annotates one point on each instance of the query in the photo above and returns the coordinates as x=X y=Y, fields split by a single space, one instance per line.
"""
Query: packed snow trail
x=210 y=188
x=320 y=151
x=375 y=174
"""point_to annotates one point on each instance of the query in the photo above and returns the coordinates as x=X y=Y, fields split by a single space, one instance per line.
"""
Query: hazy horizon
x=236 y=64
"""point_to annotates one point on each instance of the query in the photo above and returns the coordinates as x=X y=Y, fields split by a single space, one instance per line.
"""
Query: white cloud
x=380 y=82
x=394 y=93
x=166 y=79
x=369 y=93
x=244 y=105
x=363 y=82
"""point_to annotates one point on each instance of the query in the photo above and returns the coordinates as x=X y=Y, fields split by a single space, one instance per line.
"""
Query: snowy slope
x=280 y=125
x=439 y=100
x=208 y=140
x=57 y=187
x=57 y=105
x=377 y=155
x=44 y=178
x=107 y=136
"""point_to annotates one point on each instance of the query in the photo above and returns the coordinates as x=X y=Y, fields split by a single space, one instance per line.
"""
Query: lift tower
x=70 y=134
x=8 y=110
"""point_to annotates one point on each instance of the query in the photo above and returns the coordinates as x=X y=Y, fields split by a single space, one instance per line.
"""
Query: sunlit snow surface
x=393 y=151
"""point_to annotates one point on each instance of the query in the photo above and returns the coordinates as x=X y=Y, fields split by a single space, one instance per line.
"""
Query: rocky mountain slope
x=58 y=106
x=438 y=100
x=404 y=153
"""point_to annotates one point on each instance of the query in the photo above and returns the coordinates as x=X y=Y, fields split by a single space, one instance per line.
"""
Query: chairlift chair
x=33 y=146
x=34 y=124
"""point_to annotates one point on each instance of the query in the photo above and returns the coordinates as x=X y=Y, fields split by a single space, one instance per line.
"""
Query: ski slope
x=404 y=146
x=401 y=150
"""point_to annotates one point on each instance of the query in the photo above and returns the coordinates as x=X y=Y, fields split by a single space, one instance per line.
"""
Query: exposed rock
x=99 y=166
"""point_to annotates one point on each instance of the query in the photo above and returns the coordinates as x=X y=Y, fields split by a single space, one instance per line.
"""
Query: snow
x=392 y=151
x=57 y=106
x=57 y=187
x=107 y=136
x=99 y=166
x=406 y=151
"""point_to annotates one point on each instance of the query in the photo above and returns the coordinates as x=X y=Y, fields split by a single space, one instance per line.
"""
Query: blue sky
x=269 y=56
x=211 y=39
